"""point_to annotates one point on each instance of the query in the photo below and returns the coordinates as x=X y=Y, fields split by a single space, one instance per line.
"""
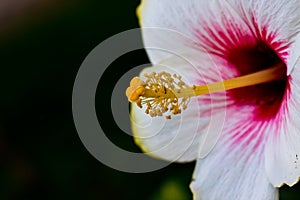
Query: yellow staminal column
x=162 y=92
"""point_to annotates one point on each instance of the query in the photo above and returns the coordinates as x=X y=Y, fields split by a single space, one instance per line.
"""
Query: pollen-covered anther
x=158 y=94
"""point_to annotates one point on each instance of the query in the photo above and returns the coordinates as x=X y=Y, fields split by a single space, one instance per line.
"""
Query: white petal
x=283 y=148
x=189 y=135
x=214 y=24
x=235 y=168
x=294 y=56
x=185 y=18
x=227 y=176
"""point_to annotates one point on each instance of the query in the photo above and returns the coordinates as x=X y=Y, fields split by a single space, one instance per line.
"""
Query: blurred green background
x=42 y=45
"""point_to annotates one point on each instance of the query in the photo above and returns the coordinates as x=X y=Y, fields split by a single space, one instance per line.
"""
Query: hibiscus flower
x=245 y=137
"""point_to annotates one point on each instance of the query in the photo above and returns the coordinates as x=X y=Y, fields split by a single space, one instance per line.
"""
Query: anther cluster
x=161 y=95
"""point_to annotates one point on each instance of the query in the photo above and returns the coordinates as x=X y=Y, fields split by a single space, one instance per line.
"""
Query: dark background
x=42 y=45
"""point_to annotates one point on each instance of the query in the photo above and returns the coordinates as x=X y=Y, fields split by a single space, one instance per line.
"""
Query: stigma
x=163 y=94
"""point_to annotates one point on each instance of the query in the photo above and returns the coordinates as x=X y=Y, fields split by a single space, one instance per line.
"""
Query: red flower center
x=266 y=98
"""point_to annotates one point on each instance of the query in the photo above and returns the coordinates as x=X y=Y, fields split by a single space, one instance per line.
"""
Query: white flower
x=259 y=146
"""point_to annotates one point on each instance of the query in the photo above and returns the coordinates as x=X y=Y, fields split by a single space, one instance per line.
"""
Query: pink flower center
x=246 y=52
x=265 y=98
